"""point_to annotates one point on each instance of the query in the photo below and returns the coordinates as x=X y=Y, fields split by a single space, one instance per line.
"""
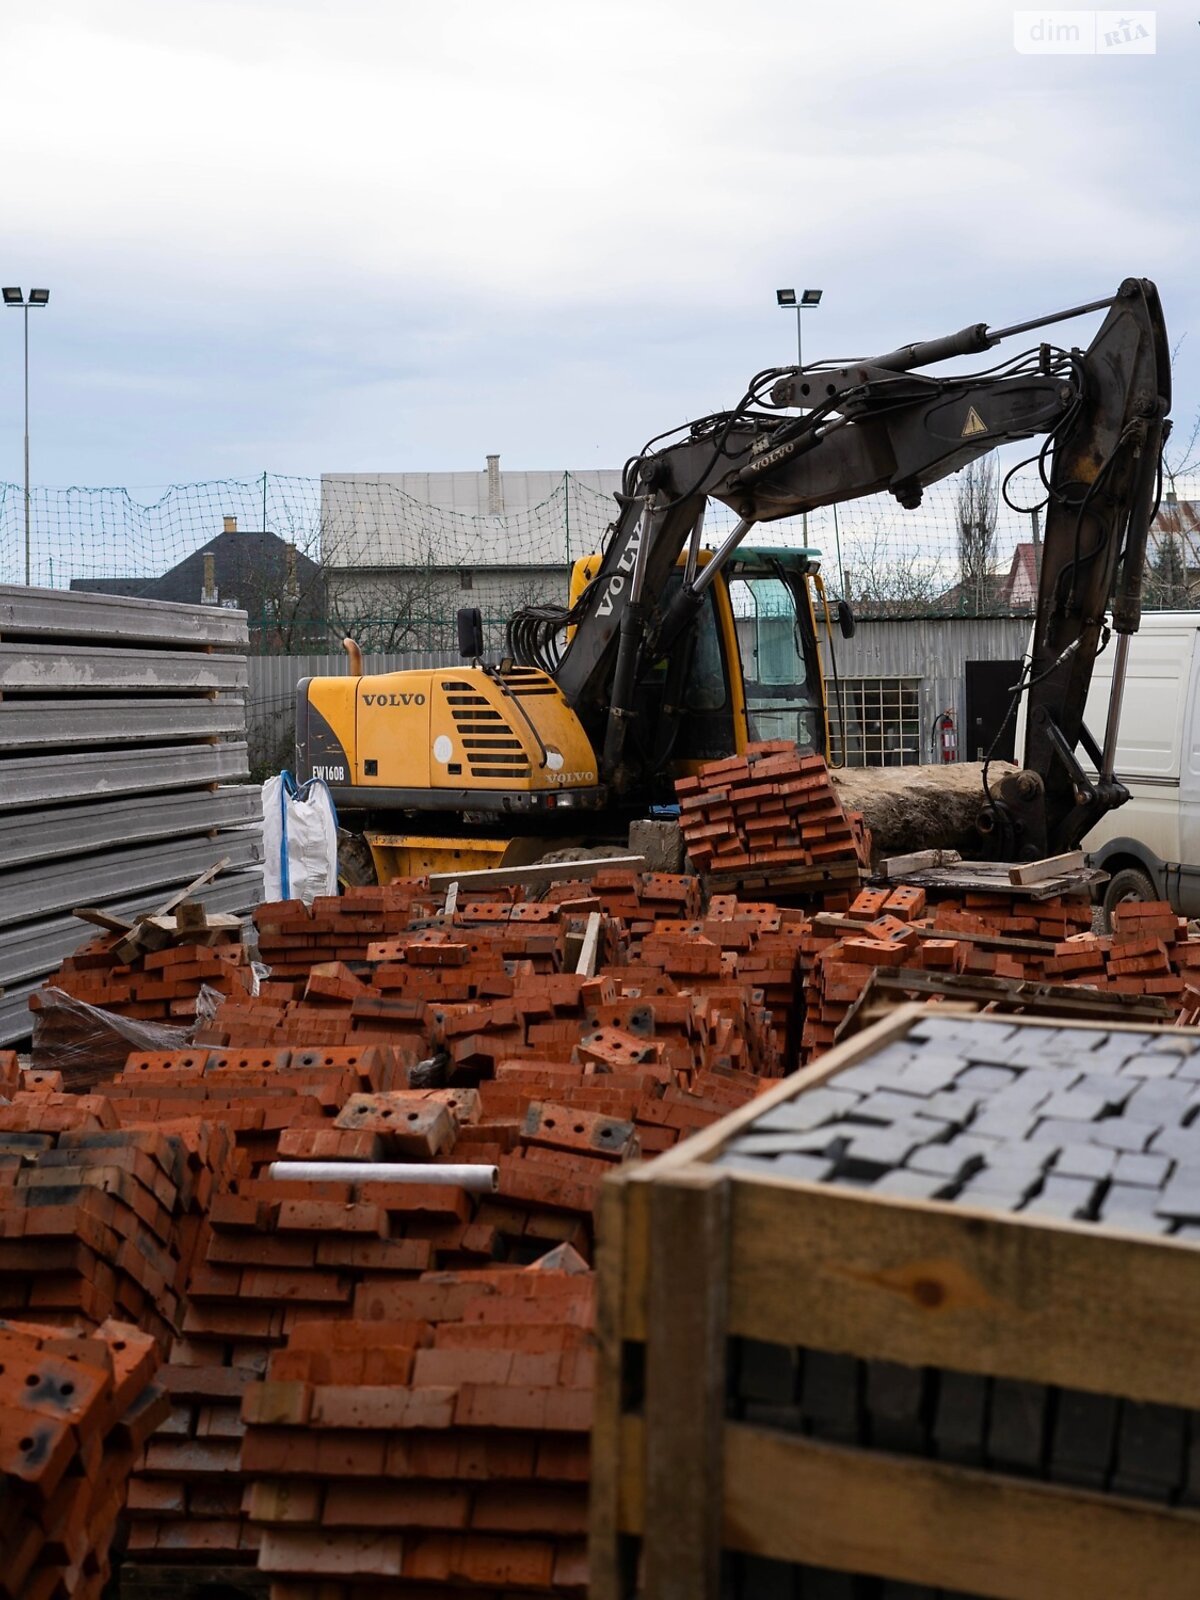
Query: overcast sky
x=385 y=235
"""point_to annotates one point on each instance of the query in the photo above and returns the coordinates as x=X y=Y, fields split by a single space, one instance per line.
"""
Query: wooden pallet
x=692 y=1255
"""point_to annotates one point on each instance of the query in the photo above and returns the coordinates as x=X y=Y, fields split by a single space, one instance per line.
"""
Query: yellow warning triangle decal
x=973 y=424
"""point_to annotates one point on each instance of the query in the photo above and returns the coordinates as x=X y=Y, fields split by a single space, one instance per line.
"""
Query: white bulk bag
x=299 y=839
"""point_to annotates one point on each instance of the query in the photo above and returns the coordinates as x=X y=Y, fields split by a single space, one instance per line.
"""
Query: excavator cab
x=755 y=669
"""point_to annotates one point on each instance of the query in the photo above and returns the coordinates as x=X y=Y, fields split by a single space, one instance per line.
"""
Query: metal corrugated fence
x=930 y=652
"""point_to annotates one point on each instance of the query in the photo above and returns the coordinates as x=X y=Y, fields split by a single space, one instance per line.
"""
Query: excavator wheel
x=356 y=865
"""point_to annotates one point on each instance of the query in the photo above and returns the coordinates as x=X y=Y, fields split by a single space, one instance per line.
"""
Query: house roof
x=247 y=565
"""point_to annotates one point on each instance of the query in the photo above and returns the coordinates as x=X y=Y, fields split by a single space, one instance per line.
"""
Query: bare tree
x=977 y=506
x=886 y=576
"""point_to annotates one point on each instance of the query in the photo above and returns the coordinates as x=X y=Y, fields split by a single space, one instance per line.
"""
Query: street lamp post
x=16 y=299
x=806 y=301
x=787 y=299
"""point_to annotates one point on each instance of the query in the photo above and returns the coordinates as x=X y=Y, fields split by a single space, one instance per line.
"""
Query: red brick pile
x=254 y=1094
x=280 y=1254
x=99 y=1221
x=771 y=811
x=75 y=1409
x=995 y=936
x=438 y=1439
x=97 y=1007
x=1148 y=952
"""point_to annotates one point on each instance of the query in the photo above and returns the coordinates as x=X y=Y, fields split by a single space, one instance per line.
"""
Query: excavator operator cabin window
x=781 y=700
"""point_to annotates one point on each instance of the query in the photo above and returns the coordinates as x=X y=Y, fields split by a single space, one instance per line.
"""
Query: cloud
x=379 y=234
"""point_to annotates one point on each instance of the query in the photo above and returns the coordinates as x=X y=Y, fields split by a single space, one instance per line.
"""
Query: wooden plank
x=948 y=1527
x=102 y=919
x=928 y=1284
x=607 y=1575
x=1049 y=867
x=988 y=941
x=916 y=861
x=1063 y=1001
x=585 y=967
x=539 y=872
x=685 y=1387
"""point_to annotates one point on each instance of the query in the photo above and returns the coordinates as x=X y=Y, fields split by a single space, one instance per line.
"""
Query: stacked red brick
x=438 y=1440
x=995 y=936
x=75 y=1409
x=78 y=1013
x=772 y=810
x=96 y=1220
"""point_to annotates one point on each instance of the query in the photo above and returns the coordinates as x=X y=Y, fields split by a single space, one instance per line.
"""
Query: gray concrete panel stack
x=122 y=760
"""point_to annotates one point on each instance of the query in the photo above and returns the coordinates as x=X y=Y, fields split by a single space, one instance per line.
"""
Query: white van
x=1151 y=844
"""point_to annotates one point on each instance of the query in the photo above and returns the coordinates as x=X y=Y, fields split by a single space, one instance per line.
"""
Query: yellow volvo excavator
x=668 y=654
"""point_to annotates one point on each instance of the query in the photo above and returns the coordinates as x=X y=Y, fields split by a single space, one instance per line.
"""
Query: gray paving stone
x=1147 y=1171
x=1181 y=1144
x=960 y=1418
x=870 y=1074
x=1160 y=1101
x=986 y=1079
x=883 y=1106
x=1017 y=1422
x=764 y=1371
x=756 y=1143
x=1068 y=1198
x=807 y=1169
x=997 y=1123
x=808 y=1110
x=929 y=1076
x=829 y=1396
x=1154 y=1064
x=1180 y=1199
x=1084 y=1438
x=1151 y=1446
x=1114 y=1133
x=1134 y=1209
x=1074 y=1105
x=1087 y=1161
x=954 y=1161
x=895 y=1400
x=904 y=1184
x=953 y=1105
x=875 y=1151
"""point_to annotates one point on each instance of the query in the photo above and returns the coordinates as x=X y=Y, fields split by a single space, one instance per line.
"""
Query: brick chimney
x=208 y=594
x=495 y=492
x=230 y=525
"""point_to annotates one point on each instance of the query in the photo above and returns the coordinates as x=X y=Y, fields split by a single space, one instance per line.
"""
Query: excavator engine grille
x=488 y=742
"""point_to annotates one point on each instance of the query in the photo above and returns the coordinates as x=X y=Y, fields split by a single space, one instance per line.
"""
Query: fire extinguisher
x=947 y=736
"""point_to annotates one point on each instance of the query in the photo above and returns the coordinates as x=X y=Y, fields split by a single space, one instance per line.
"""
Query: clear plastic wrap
x=88 y=1044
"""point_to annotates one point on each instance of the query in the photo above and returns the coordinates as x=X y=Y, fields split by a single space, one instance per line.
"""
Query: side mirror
x=470 y=633
x=846 y=620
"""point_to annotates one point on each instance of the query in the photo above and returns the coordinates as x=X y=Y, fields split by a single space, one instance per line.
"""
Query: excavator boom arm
x=880 y=425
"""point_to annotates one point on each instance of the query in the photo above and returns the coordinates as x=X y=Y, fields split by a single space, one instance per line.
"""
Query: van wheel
x=1131 y=883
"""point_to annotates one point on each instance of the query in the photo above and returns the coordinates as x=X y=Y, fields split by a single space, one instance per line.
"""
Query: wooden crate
x=693 y=1255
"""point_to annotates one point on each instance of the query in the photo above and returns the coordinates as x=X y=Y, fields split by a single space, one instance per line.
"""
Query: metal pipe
x=1055 y=316
x=1116 y=695
x=638 y=581
x=479 y=1179
x=354 y=652
x=693 y=555
x=708 y=573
